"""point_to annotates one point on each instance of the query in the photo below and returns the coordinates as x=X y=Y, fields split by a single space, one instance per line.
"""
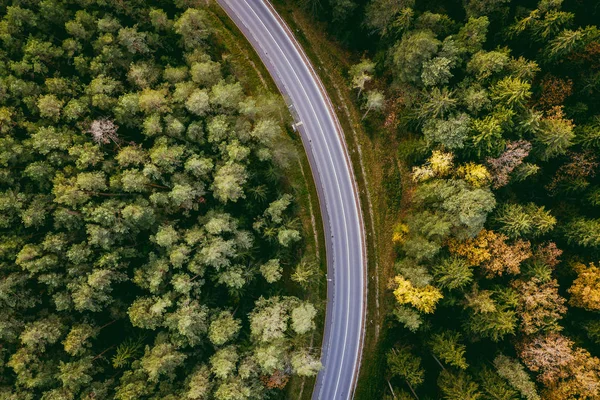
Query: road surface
x=338 y=195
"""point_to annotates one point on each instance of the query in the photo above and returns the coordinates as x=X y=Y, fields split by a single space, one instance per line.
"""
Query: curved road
x=338 y=195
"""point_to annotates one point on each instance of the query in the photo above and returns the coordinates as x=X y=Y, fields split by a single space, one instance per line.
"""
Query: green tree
x=361 y=74
x=193 y=27
x=451 y=133
x=517 y=220
x=161 y=359
x=271 y=270
x=228 y=181
x=305 y=364
x=77 y=374
x=224 y=361
x=447 y=347
x=477 y=8
x=495 y=387
x=453 y=273
x=458 y=386
x=302 y=318
x=199 y=384
x=223 y=328
x=411 y=53
x=583 y=232
x=514 y=372
x=404 y=365
x=382 y=16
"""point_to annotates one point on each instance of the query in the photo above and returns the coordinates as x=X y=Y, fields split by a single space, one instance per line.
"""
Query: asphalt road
x=338 y=194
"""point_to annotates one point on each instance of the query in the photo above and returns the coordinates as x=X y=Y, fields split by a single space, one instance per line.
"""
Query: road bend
x=330 y=164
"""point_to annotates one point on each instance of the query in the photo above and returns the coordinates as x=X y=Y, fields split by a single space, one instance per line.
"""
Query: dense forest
x=148 y=241
x=496 y=105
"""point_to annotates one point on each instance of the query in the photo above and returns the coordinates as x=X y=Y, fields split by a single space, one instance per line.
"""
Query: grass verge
x=373 y=153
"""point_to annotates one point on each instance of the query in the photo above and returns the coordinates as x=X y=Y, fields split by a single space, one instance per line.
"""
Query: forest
x=495 y=292
x=150 y=247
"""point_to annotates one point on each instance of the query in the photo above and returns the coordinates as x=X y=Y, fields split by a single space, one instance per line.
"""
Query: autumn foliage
x=492 y=253
x=585 y=290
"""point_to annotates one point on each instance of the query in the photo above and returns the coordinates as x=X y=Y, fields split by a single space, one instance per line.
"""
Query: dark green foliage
x=498 y=102
x=406 y=366
x=458 y=386
x=135 y=213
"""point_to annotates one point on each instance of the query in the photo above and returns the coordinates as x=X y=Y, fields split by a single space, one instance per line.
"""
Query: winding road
x=324 y=143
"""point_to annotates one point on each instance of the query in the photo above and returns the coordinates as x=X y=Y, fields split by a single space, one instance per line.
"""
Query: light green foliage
x=375 y=101
x=148 y=312
x=143 y=75
x=436 y=71
x=77 y=374
x=464 y=206
x=412 y=52
x=188 y=323
x=472 y=34
x=361 y=74
x=403 y=364
x=206 y=73
x=514 y=372
x=453 y=273
x=223 y=362
x=555 y=135
x=233 y=389
x=447 y=347
x=275 y=210
x=484 y=64
x=78 y=339
x=226 y=96
x=584 y=232
x=160 y=20
x=228 y=181
x=223 y=328
x=491 y=317
x=305 y=364
x=458 y=386
x=193 y=27
x=518 y=220
x=271 y=270
x=199 y=384
x=286 y=237
x=451 y=133
x=495 y=387
x=269 y=320
x=302 y=318
x=153 y=101
x=50 y=106
x=408 y=316
x=306 y=273
x=270 y=357
x=198 y=102
x=39 y=334
x=437 y=104
x=161 y=359
x=512 y=92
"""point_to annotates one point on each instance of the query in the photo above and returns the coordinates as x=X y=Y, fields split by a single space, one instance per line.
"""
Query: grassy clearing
x=373 y=153
x=250 y=71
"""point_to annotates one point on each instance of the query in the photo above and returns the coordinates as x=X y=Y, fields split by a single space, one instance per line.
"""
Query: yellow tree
x=423 y=298
x=585 y=291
